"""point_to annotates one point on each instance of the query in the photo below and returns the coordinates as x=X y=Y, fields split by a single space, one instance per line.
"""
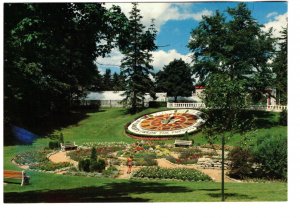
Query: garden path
x=61 y=156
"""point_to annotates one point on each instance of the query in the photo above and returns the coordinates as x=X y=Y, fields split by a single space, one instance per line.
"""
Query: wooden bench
x=183 y=143
x=10 y=174
x=68 y=146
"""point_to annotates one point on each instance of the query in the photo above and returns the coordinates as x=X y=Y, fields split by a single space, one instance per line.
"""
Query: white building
x=115 y=98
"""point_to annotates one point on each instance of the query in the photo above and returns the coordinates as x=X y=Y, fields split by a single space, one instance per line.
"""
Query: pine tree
x=136 y=64
x=107 y=80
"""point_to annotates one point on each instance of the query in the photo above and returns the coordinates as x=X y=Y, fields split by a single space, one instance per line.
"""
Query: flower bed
x=31 y=157
x=49 y=166
x=38 y=160
x=165 y=173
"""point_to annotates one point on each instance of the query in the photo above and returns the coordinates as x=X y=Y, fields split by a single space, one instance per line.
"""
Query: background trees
x=136 y=63
x=175 y=79
x=280 y=69
x=49 y=53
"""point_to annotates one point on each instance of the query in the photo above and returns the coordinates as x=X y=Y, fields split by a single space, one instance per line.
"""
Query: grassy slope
x=108 y=125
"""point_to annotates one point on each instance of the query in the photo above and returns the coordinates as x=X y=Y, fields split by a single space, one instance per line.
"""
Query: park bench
x=11 y=174
x=68 y=146
x=183 y=143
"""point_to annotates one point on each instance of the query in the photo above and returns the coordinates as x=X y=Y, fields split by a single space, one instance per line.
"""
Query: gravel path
x=61 y=156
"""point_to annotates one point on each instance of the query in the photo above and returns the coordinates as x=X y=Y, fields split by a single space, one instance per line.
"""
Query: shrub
x=93 y=156
x=270 y=153
x=241 y=163
x=61 y=138
x=146 y=161
x=49 y=166
x=97 y=166
x=111 y=172
x=171 y=159
x=283 y=118
x=54 y=145
x=84 y=165
x=165 y=173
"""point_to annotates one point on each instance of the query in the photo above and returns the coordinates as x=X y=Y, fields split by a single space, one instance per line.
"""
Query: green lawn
x=44 y=188
x=107 y=126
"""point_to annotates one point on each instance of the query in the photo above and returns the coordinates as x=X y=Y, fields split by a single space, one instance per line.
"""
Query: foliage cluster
x=266 y=159
x=165 y=173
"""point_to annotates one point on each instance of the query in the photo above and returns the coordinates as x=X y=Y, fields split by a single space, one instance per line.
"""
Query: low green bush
x=283 y=118
x=49 y=166
x=97 y=166
x=166 y=173
x=84 y=165
x=241 y=163
x=54 y=145
x=270 y=154
x=146 y=161
x=110 y=172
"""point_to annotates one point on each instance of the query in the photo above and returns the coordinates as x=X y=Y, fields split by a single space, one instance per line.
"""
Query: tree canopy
x=49 y=54
x=136 y=65
x=232 y=57
x=280 y=68
x=175 y=79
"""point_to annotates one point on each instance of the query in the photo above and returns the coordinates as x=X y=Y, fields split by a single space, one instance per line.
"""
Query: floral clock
x=167 y=123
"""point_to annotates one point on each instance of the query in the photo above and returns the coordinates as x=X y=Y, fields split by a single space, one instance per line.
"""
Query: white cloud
x=277 y=23
x=111 y=61
x=272 y=14
x=162 y=12
x=161 y=58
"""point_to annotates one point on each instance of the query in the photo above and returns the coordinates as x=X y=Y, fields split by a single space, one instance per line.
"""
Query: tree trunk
x=223 y=176
x=175 y=98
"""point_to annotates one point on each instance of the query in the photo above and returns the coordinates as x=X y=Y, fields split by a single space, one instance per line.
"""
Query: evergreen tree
x=93 y=154
x=115 y=82
x=107 y=80
x=280 y=68
x=175 y=79
x=231 y=56
x=136 y=63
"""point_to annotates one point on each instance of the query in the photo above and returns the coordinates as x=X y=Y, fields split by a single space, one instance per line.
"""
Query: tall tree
x=107 y=80
x=280 y=68
x=175 y=79
x=231 y=56
x=136 y=63
x=49 y=53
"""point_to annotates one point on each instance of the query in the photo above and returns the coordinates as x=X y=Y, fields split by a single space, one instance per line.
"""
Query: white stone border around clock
x=135 y=126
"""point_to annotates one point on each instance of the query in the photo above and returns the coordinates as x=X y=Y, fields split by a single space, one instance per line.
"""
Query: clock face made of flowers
x=167 y=123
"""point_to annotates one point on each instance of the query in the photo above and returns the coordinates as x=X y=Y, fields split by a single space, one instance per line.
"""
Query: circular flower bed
x=166 y=123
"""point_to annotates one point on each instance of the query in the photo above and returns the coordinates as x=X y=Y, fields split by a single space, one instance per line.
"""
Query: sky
x=175 y=21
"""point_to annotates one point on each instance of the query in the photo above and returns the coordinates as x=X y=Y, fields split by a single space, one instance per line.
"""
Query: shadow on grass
x=264 y=119
x=45 y=126
x=112 y=192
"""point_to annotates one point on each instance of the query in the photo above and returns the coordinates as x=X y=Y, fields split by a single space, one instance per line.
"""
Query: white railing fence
x=275 y=108
x=185 y=105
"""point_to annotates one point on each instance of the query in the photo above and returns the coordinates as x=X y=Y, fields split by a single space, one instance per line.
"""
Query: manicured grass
x=104 y=126
x=46 y=188
x=108 y=126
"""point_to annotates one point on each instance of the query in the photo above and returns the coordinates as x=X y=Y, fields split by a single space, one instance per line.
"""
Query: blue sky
x=175 y=21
